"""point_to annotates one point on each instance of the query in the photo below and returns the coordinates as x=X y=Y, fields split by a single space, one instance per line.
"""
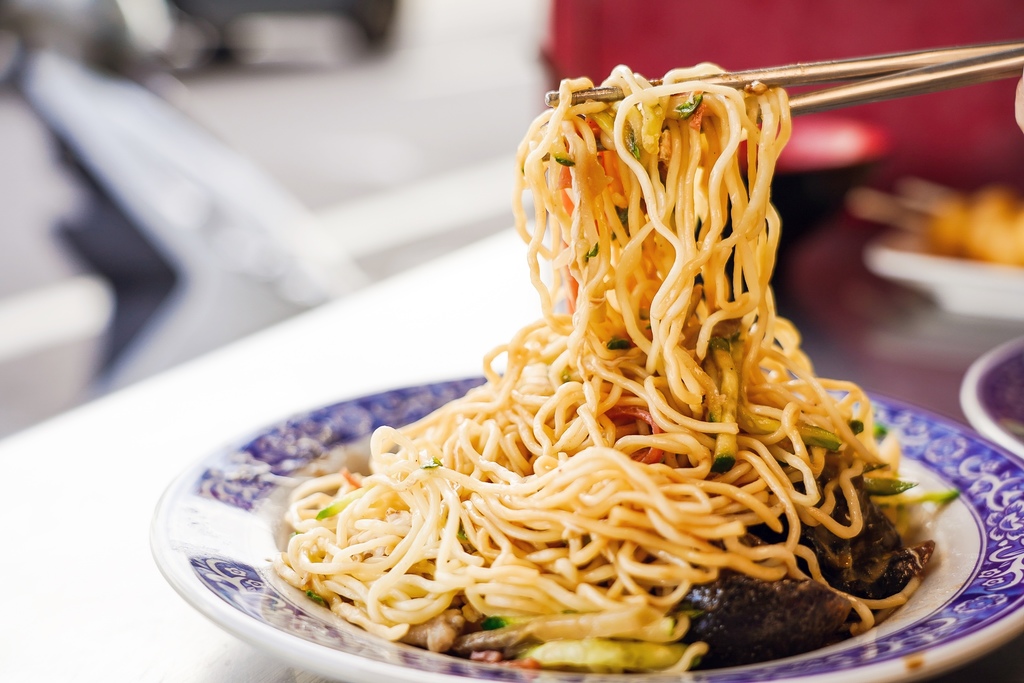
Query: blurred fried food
x=986 y=225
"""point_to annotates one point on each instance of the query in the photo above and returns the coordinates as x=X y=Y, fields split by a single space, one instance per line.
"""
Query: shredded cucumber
x=603 y=655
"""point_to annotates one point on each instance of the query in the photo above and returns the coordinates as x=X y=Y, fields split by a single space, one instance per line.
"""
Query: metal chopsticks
x=920 y=81
x=875 y=78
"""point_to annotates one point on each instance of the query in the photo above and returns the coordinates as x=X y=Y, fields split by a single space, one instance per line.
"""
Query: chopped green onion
x=723 y=463
x=593 y=252
x=817 y=436
x=617 y=344
x=623 y=214
x=722 y=406
x=632 y=143
x=940 y=497
x=687 y=108
x=937 y=497
x=341 y=503
x=563 y=160
x=315 y=598
x=689 y=609
x=434 y=463
x=754 y=423
x=493 y=622
x=881 y=431
x=887 y=486
x=857 y=426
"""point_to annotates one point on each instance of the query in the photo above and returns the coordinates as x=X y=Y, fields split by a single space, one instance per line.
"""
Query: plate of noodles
x=650 y=480
x=992 y=395
x=220 y=524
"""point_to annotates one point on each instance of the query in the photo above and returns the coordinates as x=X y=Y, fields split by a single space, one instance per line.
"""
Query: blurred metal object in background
x=121 y=35
x=200 y=246
x=197 y=245
x=137 y=36
x=216 y=18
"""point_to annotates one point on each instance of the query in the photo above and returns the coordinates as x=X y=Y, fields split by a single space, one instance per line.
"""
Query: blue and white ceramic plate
x=217 y=527
x=992 y=395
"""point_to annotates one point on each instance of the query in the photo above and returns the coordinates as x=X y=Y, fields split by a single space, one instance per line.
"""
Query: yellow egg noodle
x=625 y=443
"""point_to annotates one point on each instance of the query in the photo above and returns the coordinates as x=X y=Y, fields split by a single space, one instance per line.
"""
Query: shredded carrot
x=697 y=116
x=564 y=184
x=648 y=456
x=355 y=480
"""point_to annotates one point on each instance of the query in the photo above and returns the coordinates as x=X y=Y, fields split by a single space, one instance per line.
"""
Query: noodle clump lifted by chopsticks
x=635 y=434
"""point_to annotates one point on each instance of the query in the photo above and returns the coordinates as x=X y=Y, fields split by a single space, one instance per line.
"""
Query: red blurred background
x=965 y=138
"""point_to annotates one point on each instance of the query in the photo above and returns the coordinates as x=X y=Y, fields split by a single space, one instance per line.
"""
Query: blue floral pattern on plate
x=254 y=471
x=988 y=604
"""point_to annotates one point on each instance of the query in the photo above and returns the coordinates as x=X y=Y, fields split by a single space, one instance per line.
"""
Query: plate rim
x=333 y=663
x=908 y=246
x=899 y=257
x=971 y=400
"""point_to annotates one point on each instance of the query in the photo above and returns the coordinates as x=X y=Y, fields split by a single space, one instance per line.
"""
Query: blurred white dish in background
x=958 y=285
x=992 y=395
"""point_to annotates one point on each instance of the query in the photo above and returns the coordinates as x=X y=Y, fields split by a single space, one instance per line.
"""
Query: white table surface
x=84 y=600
